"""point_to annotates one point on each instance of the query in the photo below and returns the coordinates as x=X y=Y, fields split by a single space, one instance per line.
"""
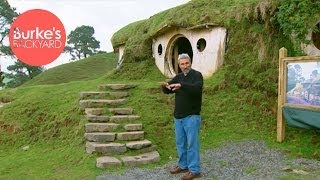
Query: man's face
x=184 y=65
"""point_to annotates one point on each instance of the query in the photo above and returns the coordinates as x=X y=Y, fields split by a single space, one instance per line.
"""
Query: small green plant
x=296 y=18
x=251 y=169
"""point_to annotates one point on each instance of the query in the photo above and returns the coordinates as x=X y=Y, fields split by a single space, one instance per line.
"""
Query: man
x=187 y=87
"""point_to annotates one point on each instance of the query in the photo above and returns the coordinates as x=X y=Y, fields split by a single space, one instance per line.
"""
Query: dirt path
x=241 y=160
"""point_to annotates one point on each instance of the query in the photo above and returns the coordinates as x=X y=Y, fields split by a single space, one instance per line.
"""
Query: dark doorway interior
x=316 y=36
x=181 y=45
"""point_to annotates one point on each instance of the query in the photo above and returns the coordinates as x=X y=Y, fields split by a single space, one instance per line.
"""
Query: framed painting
x=299 y=89
x=302 y=83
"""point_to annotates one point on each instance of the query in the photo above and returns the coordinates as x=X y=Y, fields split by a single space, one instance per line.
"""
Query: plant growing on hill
x=7 y=15
x=296 y=18
x=20 y=73
x=1 y=79
x=81 y=43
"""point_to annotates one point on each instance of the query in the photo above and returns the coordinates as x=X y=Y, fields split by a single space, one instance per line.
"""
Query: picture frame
x=298 y=86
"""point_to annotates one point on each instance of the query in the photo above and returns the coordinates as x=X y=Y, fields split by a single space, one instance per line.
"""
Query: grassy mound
x=85 y=69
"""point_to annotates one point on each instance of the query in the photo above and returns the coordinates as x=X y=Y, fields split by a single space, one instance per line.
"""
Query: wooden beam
x=176 y=64
x=304 y=58
x=309 y=107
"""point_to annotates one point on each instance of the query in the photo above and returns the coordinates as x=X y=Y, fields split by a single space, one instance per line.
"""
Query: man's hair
x=184 y=56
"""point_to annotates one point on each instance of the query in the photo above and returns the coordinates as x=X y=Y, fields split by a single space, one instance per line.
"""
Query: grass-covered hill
x=238 y=102
x=85 y=69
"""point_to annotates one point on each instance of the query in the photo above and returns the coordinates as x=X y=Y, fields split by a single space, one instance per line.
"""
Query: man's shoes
x=189 y=176
x=177 y=169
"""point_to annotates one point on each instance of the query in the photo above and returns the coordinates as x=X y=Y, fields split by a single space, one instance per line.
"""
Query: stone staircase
x=112 y=132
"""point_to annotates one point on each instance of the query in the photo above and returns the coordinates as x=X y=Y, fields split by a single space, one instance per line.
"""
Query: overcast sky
x=106 y=16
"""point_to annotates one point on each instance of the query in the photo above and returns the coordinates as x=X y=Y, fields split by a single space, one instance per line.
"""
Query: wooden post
x=176 y=63
x=280 y=120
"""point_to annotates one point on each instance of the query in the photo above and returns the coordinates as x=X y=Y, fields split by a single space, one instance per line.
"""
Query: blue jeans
x=187 y=141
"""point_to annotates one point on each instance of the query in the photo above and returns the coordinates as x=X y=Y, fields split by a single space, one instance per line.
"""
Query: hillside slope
x=84 y=69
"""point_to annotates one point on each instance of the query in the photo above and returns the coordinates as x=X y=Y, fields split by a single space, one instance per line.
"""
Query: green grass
x=85 y=69
x=53 y=160
x=251 y=169
x=239 y=101
x=53 y=127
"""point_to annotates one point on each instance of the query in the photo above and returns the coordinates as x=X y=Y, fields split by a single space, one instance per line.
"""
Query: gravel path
x=241 y=160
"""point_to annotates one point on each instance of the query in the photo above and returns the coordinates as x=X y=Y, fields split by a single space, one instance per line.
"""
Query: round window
x=201 y=44
x=316 y=36
x=159 y=49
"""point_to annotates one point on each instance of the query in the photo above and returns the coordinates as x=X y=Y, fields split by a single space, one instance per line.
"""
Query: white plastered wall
x=207 y=61
x=120 y=51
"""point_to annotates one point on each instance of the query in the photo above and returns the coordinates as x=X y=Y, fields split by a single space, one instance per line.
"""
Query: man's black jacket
x=189 y=97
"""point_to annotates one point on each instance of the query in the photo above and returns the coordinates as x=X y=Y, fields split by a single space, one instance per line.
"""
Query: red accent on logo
x=37 y=37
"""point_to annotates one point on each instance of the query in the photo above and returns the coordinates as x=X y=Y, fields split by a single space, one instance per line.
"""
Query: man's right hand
x=175 y=86
x=164 y=84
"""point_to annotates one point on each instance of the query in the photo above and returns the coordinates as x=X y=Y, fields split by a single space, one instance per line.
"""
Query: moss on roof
x=137 y=36
x=190 y=14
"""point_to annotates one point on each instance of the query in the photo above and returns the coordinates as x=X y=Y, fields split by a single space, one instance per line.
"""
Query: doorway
x=177 y=45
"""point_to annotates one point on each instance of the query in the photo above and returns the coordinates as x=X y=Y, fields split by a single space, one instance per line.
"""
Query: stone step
x=106 y=149
x=121 y=111
x=90 y=103
x=145 y=149
x=115 y=111
x=145 y=158
x=133 y=127
x=130 y=136
x=116 y=86
x=107 y=161
x=121 y=118
x=93 y=118
x=94 y=111
x=100 y=127
x=100 y=137
x=2 y=104
x=138 y=144
x=116 y=148
x=103 y=95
